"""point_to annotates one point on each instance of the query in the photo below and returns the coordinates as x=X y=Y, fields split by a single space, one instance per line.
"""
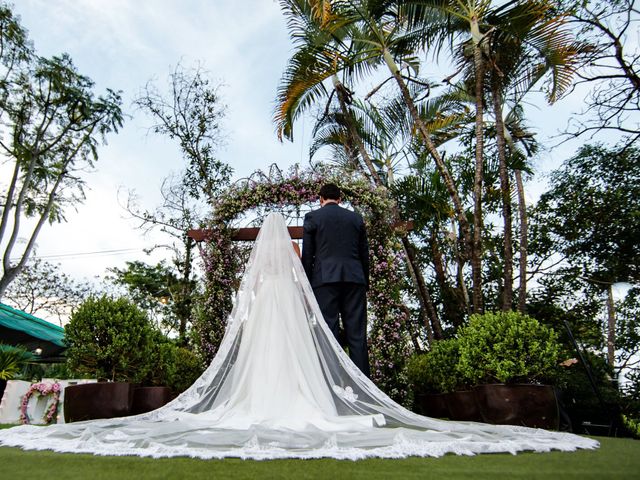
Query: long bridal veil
x=282 y=387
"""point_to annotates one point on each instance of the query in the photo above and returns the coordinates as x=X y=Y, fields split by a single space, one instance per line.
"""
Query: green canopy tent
x=33 y=333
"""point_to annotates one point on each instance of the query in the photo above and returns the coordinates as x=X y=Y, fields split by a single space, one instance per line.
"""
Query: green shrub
x=436 y=370
x=109 y=338
x=417 y=367
x=162 y=361
x=172 y=366
x=187 y=368
x=12 y=361
x=507 y=347
x=632 y=425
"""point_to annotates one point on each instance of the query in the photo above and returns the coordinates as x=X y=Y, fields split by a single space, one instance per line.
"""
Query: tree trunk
x=433 y=151
x=412 y=331
x=428 y=312
x=611 y=327
x=12 y=272
x=476 y=251
x=8 y=202
x=341 y=90
x=452 y=298
x=524 y=226
x=435 y=329
x=462 y=285
x=505 y=187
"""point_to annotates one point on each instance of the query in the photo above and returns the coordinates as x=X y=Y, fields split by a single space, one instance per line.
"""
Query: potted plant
x=459 y=398
x=439 y=390
x=187 y=369
x=509 y=357
x=154 y=391
x=174 y=370
x=111 y=339
x=426 y=397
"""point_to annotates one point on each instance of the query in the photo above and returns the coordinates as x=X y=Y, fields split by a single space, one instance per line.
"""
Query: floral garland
x=289 y=193
x=44 y=389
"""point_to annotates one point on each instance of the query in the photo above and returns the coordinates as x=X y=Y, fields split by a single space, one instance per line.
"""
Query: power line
x=100 y=253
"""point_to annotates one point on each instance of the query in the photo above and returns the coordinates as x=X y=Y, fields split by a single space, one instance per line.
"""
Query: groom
x=335 y=255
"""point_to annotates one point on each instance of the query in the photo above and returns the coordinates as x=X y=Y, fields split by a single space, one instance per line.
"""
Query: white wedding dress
x=281 y=387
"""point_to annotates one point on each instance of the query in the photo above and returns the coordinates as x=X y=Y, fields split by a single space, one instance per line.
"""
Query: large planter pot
x=522 y=404
x=146 y=399
x=431 y=404
x=97 y=400
x=462 y=406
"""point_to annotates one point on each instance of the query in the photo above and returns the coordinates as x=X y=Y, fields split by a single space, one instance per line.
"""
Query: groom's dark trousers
x=335 y=255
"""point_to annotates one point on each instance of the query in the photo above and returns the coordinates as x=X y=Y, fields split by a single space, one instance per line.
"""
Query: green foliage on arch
x=290 y=193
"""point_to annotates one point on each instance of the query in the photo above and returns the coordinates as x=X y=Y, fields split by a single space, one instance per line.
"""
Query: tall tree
x=190 y=112
x=319 y=30
x=178 y=213
x=510 y=45
x=54 y=123
x=591 y=210
x=527 y=44
x=522 y=146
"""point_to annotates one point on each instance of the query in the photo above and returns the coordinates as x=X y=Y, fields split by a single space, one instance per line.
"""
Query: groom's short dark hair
x=330 y=191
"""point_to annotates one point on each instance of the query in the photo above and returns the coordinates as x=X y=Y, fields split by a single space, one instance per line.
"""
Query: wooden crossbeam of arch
x=251 y=233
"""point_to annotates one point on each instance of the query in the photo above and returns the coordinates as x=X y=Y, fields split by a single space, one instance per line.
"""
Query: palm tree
x=510 y=45
x=379 y=33
x=350 y=38
x=525 y=44
x=438 y=21
x=516 y=135
x=388 y=136
x=319 y=30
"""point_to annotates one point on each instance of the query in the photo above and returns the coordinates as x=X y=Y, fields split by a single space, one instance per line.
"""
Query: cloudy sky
x=122 y=44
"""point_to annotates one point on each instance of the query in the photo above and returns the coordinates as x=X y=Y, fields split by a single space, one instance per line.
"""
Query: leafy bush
x=12 y=361
x=436 y=370
x=187 y=368
x=507 y=347
x=632 y=425
x=110 y=338
x=417 y=368
x=172 y=366
x=162 y=359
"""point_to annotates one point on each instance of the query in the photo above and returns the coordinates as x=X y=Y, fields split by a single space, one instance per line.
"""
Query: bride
x=282 y=387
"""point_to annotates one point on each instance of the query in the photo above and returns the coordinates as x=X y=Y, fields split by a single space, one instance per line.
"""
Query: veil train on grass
x=281 y=386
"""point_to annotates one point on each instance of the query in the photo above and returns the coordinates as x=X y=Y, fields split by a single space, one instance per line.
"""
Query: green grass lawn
x=617 y=458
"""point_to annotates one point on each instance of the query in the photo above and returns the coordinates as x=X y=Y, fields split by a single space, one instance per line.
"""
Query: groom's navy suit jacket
x=335 y=247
